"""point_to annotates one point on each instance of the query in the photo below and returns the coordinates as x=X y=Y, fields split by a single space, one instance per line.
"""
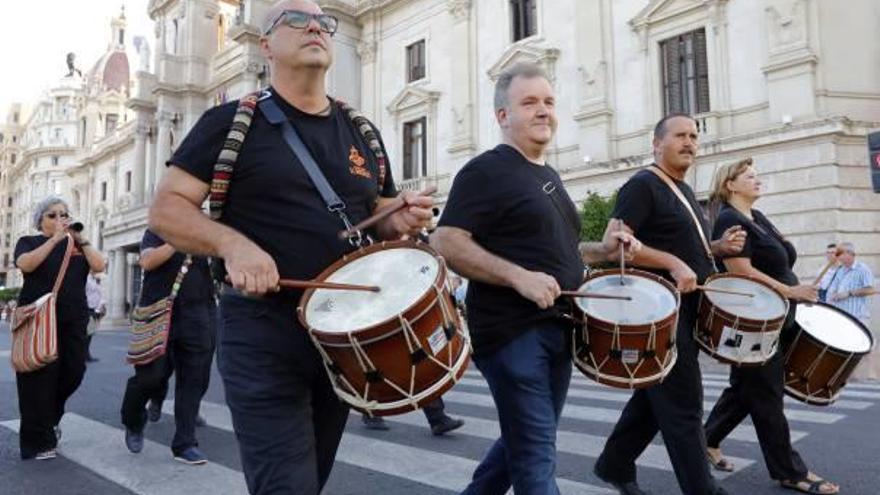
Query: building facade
x=782 y=81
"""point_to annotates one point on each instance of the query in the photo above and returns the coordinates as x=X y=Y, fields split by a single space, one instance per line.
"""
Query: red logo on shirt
x=358 y=164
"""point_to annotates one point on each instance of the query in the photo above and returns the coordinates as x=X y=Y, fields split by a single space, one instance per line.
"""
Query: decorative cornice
x=459 y=9
x=520 y=52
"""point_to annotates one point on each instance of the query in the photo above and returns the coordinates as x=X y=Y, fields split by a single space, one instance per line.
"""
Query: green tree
x=9 y=294
x=595 y=214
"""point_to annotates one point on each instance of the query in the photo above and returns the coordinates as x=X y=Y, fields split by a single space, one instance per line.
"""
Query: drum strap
x=334 y=203
x=665 y=178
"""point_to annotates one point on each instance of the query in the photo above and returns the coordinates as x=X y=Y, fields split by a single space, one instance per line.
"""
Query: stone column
x=462 y=141
x=138 y=174
x=163 y=146
x=116 y=308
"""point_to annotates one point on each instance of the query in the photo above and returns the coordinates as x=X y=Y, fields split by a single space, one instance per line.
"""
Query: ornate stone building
x=792 y=83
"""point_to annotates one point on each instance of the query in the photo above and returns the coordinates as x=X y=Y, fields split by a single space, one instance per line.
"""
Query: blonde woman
x=758 y=391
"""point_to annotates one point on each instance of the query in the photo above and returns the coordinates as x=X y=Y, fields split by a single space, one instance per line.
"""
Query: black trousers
x=287 y=419
x=674 y=408
x=189 y=355
x=758 y=392
x=42 y=394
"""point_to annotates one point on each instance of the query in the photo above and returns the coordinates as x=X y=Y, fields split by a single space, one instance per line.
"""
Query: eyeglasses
x=53 y=215
x=301 y=20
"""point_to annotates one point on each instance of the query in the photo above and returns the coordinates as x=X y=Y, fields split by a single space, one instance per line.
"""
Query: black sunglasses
x=53 y=215
x=301 y=20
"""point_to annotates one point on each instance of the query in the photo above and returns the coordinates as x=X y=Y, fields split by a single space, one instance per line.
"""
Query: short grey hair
x=527 y=70
x=848 y=247
x=43 y=206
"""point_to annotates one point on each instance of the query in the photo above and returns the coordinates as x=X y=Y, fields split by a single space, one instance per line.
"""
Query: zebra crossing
x=439 y=465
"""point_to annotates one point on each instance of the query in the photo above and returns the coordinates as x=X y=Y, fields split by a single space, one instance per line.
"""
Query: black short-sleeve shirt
x=659 y=219
x=40 y=281
x=196 y=287
x=765 y=247
x=499 y=197
x=271 y=199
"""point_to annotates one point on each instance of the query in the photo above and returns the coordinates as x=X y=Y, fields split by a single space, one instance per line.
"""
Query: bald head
x=282 y=5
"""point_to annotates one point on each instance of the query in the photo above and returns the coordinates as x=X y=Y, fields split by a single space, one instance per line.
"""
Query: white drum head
x=404 y=275
x=651 y=300
x=765 y=305
x=833 y=327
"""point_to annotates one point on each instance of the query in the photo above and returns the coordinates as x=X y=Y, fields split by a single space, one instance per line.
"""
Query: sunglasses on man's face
x=53 y=215
x=301 y=20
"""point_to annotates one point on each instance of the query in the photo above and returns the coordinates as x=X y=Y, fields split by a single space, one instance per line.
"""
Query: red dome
x=116 y=72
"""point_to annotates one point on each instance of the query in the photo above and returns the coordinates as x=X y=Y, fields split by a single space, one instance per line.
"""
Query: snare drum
x=828 y=346
x=626 y=344
x=391 y=351
x=740 y=330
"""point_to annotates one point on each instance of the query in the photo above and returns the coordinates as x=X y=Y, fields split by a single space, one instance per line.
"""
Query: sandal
x=720 y=462
x=814 y=487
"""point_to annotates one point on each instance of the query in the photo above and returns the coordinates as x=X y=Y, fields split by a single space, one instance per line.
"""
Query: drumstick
x=396 y=205
x=311 y=284
x=828 y=266
x=724 y=291
x=593 y=295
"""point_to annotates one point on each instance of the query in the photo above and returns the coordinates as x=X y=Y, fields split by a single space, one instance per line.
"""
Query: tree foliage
x=595 y=214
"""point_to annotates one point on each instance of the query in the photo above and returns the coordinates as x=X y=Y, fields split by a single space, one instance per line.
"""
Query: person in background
x=95 y=300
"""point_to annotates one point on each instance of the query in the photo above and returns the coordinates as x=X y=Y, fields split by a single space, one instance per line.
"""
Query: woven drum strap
x=241 y=123
x=223 y=169
x=60 y=277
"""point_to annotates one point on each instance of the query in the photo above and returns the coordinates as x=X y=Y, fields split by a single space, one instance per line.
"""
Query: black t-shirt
x=196 y=287
x=272 y=200
x=40 y=281
x=765 y=247
x=659 y=219
x=498 y=197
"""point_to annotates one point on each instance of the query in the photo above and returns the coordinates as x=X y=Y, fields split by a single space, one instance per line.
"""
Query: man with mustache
x=517 y=241
x=676 y=248
x=287 y=419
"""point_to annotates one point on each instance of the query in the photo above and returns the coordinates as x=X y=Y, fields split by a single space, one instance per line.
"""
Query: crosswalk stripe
x=421 y=465
x=608 y=394
x=654 y=456
x=99 y=448
x=791 y=414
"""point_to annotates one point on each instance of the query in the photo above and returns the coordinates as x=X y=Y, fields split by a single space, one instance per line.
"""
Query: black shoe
x=192 y=456
x=445 y=425
x=200 y=421
x=134 y=441
x=154 y=411
x=624 y=488
x=374 y=423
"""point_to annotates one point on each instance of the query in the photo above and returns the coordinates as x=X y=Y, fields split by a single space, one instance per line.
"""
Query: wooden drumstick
x=593 y=295
x=311 y=284
x=724 y=291
x=396 y=205
x=828 y=266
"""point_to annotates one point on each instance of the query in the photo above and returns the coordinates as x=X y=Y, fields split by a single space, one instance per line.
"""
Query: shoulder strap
x=549 y=188
x=175 y=288
x=60 y=277
x=223 y=169
x=665 y=178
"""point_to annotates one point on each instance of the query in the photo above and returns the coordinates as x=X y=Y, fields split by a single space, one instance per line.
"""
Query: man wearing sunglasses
x=274 y=224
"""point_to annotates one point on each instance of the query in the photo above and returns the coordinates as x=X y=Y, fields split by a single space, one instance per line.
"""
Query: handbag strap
x=60 y=277
x=665 y=178
x=178 y=280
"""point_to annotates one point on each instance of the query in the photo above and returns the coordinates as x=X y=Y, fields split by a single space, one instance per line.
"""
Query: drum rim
x=634 y=329
x=729 y=315
x=859 y=325
x=360 y=253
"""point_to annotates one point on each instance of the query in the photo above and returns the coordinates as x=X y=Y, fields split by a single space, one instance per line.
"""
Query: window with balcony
x=415 y=61
x=415 y=149
x=685 y=73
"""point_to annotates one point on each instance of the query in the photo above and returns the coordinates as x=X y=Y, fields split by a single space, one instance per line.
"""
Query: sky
x=36 y=35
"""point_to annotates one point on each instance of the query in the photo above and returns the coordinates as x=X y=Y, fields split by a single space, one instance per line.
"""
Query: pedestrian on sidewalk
x=42 y=394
